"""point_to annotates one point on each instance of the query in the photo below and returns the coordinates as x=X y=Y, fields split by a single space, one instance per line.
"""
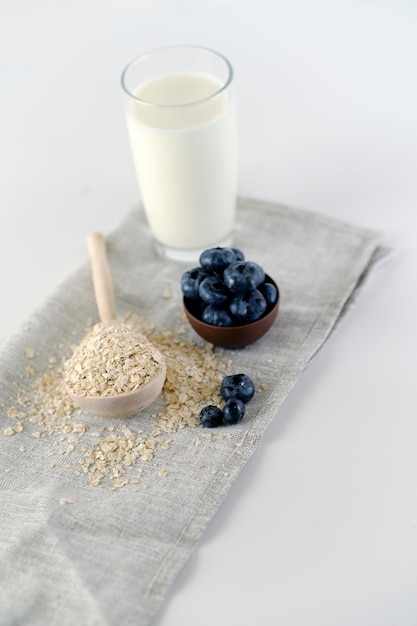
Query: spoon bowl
x=123 y=404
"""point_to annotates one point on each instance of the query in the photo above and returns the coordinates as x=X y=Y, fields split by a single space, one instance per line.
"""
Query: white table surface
x=320 y=529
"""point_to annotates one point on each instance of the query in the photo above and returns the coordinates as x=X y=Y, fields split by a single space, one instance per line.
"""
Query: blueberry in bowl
x=191 y=281
x=243 y=276
x=229 y=301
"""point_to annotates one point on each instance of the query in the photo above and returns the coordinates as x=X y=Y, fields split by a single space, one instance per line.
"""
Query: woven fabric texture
x=72 y=553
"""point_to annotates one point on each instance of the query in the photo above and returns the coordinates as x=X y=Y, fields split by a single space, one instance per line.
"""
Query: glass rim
x=144 y=55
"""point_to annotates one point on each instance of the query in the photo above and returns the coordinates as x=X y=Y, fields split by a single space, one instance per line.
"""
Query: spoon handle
x=102 y=281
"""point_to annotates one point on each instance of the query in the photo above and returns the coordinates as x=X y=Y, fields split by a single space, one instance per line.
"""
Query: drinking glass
x=181 y=119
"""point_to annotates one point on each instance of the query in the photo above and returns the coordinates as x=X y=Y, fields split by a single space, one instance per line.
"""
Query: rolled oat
x=115 y=455
x=111 y=359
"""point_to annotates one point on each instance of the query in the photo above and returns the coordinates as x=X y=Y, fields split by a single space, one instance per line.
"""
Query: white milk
x=185 y=152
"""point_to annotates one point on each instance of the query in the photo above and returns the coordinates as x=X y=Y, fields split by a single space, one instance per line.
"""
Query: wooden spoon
x=120 y=404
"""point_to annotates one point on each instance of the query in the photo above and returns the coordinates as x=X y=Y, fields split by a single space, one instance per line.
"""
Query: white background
x=320 y=529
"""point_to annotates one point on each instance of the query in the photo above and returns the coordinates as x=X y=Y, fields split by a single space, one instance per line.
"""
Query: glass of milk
x=181 y=118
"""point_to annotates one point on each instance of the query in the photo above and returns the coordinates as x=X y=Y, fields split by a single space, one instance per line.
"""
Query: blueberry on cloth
x=234 y=411
x=190 y=282
x=216 y=316
x=237 y=386
x=211 y=416
x=217 y=259
x=213 y=291
x=269 y=292
x=243 y=276
x=248 y=306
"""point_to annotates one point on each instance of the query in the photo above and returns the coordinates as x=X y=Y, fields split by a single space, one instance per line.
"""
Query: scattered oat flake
x=194 y=374
x=162 y=473
x=63 y=501
x=119 y=482
x=79 y=428
x=13 y=412
x=167 y=293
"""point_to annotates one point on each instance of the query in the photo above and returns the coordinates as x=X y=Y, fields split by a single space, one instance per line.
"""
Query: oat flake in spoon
x=115 y=371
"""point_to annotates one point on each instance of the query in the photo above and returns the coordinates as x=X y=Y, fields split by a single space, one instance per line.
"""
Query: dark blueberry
x=248 y=306
x=237 y=386
x=216 y=316
x=213 y=291
x=243 y=276
x=234 y=411
x=211 y=416
x=190 y=282
x=239 y=254
x=269 y=292
x=196 y=307
x=217 y=259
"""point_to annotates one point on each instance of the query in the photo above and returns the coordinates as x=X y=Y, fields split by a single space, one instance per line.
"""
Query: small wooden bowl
x=231 y=336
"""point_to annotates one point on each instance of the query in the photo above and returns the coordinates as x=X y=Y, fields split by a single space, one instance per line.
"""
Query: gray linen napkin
x=72 y=553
